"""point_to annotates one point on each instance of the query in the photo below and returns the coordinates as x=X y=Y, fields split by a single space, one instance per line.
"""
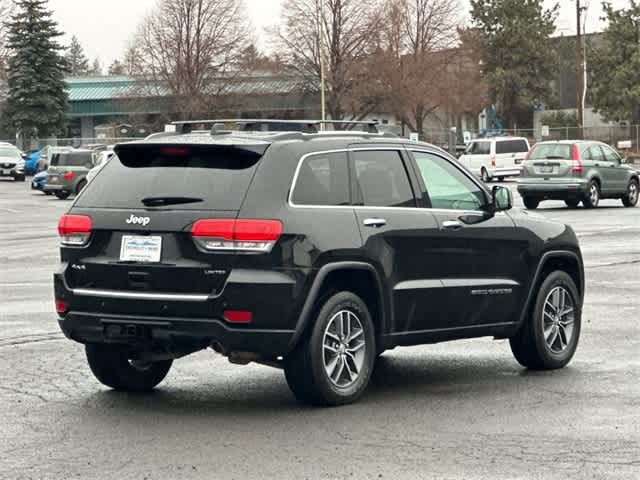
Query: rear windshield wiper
x=162 y=201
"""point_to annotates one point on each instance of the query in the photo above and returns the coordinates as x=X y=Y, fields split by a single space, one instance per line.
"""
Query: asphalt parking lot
x=462 y=410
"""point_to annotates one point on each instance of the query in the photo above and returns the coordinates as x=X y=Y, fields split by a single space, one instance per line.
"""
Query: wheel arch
x=360 y=278
x=563 y=260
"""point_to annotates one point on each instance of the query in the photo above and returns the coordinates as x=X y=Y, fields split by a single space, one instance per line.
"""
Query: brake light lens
x=61 y=306
x=238 y=235
x=575 y=157
x=74 y=230
x=493 y=160
x=68 y=175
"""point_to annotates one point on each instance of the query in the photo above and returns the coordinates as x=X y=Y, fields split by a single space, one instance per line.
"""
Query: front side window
x=382 y=180
x=448 y=187
x=323 y=179
x=610 y=155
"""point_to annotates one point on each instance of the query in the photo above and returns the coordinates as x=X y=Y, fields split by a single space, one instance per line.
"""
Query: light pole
x=321 y=54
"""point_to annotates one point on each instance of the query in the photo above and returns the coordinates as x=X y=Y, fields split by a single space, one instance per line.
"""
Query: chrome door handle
x=451 y=225
x=374 y=222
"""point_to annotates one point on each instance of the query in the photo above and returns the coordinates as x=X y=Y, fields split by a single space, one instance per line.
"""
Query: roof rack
x=271 y=125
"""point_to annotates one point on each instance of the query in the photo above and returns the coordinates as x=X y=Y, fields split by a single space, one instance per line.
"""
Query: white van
x=497 y=157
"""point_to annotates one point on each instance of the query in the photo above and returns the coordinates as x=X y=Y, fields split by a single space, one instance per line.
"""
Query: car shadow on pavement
x=396 y=380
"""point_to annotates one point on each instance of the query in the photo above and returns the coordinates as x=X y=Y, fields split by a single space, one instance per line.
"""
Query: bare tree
x=190 y=47
x=345 y=32
x=6 y=12
x=417 y=48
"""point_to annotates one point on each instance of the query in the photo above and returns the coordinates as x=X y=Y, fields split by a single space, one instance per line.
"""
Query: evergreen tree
x=96 y=68
x=615 y=66
x=518 y=59
x=37 y=97
x=116 y=68
x=77 y=60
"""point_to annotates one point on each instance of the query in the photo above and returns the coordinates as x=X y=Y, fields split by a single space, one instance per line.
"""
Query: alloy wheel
x=344 y=349
x=594 y=194
x=558 y=316
x=633 y=193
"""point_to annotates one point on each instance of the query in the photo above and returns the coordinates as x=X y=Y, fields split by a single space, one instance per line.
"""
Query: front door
x=478 y=256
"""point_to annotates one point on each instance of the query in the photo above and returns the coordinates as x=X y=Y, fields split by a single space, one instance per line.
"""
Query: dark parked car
x=310 y=252
x=577 y=171
x=67 y=173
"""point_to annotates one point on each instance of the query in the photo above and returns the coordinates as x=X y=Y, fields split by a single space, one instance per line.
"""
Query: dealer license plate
x=136 y=248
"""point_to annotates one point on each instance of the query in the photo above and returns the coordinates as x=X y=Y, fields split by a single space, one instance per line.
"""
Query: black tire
x=592 y=198
x=500 y=179
x=529 y=345
x=484 y=175
x=633 y=192
x=304 y=367
x=62 y=195
x=111 y=366
x=48 y=193
x=531 y=203
x=573 y=203
x=80 y=186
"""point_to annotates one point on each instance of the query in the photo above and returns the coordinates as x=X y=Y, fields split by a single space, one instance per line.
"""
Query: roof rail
x=272 y=125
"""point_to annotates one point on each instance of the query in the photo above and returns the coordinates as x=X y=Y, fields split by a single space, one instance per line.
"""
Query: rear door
x=394 y=233
x=510 y=153
x=617 y=175
x=143 y=206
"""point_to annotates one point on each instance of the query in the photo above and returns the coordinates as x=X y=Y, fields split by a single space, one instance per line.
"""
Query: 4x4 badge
x=133 y=220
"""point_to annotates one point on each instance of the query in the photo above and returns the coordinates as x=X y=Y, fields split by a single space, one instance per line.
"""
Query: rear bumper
x=553 y=191
x=505 y=172
x=274 y=298
x=55 y=188
x=86 y=328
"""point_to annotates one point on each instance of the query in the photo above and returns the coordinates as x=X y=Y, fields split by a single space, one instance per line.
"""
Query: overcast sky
x=105 y=27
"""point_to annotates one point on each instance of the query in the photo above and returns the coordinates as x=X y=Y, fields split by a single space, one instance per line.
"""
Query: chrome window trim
x=176 y=297
x=399 y=148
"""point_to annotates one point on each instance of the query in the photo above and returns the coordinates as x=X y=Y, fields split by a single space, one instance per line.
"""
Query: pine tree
x=37 y=98
x=77 y=60
x=96 y=68
x=518 y=59
x=116 y=68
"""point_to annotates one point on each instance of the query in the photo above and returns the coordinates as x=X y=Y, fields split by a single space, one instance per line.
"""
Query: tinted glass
x=220 y=177
x=382 y=179
x=447 y=186
x=480 y=148
x=75 y=159
x=550 y=151
x=323 y=180
x=512 y=146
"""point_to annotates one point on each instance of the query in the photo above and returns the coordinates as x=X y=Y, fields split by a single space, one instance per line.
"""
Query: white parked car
x=497 y=157
x=102 y=159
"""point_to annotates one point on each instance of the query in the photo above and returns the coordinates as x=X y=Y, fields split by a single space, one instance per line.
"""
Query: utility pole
x=580 y=70
x=322 y=67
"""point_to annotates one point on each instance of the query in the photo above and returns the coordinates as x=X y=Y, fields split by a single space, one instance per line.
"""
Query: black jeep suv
x=314 y=252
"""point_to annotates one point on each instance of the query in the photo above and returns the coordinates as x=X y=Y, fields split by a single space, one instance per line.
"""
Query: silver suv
x=577 y=171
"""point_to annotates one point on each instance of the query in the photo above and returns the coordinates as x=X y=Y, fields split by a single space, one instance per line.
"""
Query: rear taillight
x=68 y=175
x=61 y=306
x=493 y=160
x=74 y=230
x=526 y=156
x=238 y=316
x=575 y=157
x=241 y=235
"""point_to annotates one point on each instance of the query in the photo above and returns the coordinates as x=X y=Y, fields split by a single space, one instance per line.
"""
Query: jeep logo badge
x=133 y=220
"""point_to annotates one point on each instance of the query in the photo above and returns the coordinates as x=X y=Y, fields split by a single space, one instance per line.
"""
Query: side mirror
x=623 y=160
x=502 y=199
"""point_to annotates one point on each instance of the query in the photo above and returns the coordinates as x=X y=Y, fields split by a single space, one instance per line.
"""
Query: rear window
x=73 y=159
x=511 y=146
x=219 y=177
x=551 y=151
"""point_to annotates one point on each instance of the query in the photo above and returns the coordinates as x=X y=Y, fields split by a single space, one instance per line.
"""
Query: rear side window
x=323 y=179
x=73 y=159
x=479 y=148
x=511 y=146
x=218 y=177
x=595 y=153
x=551 y=151
x=382 y=180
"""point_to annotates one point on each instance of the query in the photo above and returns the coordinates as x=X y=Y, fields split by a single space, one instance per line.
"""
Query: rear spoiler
x=129 y=150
